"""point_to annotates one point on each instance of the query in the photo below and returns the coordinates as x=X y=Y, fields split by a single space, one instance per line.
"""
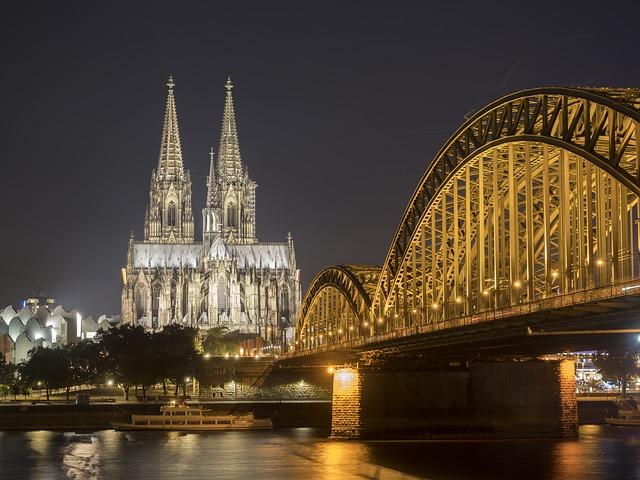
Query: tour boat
x=625 y=417
x=197 y=419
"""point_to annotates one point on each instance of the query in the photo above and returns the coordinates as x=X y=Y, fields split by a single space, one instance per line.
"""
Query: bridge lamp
x=330 y=369
x=485 y=292
x=339 y=330
x=395 y=316
x=434 y=306
x=599 y=262
x=517 y=284
x=555 y=274
x=380 y=320
x=458 y=300
x=366 y=324
x=351 y=327
x=413 y=311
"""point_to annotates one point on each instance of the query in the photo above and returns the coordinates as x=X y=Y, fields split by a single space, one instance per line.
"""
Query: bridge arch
x=535 y=196
x=337 y=306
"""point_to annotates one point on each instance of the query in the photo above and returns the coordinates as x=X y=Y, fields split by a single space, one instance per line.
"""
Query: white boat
x=197 y=419
x=625 y=417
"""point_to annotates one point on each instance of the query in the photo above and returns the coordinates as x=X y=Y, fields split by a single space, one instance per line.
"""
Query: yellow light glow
x=330 y=369
x=517 y=284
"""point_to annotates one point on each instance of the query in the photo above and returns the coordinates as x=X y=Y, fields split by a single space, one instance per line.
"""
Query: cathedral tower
x=169 y=215
x=230 y=211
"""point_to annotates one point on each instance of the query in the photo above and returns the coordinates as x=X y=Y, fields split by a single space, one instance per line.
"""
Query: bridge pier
x=481 y=399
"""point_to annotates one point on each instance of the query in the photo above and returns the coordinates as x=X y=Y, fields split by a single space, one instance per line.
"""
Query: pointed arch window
x=155 y=305
x=231 y=216
x=141 y=303
x=283 y=317
x=171 y=214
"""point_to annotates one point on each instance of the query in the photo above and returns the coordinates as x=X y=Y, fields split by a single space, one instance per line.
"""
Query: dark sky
x=340 y=108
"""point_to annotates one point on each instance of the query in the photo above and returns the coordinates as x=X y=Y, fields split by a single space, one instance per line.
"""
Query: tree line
x=126 y=355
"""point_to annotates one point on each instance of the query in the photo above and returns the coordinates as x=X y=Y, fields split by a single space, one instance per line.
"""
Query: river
x=601 y=453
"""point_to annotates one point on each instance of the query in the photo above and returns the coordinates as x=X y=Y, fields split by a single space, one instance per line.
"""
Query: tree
x=124 y=355
x=178 y=349
x=46 y=365
x=617 y=365
x=7 y=376
x=217 y=345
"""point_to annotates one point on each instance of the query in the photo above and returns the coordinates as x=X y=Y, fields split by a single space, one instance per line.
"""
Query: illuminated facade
x=229 y=279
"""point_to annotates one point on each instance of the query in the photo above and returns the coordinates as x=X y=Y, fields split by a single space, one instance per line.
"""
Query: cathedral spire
x=229 y=162
x=170 y=162
x=169 y=217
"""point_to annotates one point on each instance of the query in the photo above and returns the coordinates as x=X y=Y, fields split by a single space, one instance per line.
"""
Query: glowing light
x=330 y=369
x=366 y=324
x=517 y=284
x=414 y=310
x=458 y=300
x=380 y=320
x=435 y=306
x=226 y=355
x=600 y=262
x=485 y=292
x=78 y=324
x=554 y=274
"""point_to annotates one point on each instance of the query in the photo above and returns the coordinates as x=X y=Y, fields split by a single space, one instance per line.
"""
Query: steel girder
x=337 y=306
x=529 y=142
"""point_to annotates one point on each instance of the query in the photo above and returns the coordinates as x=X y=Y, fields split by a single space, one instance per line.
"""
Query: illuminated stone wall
x=346 y=410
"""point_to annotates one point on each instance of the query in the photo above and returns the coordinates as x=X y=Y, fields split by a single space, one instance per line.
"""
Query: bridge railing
x=554 y=302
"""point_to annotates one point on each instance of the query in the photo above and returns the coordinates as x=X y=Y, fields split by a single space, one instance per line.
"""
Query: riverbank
x=66 y=416
x=60 y=415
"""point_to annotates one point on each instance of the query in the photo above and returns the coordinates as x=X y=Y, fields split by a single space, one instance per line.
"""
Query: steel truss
x=535 y=196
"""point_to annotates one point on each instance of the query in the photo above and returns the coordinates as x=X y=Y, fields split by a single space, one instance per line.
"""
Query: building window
x=231 y=215
x=141 y=303
x=171 y=215
x=155 y=305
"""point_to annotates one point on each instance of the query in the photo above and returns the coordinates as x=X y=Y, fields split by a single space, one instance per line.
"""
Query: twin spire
x=170 y=162
x=229 y=211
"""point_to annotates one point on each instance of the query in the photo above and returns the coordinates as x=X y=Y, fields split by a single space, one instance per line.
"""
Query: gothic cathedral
x=229 y=279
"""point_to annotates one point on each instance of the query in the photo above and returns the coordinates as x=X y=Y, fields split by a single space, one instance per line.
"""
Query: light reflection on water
x=601 y=453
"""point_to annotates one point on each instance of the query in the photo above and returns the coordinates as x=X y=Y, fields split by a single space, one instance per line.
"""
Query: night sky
x=340 y=108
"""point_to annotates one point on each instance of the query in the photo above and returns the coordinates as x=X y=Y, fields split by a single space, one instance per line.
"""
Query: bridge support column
x=524 y=399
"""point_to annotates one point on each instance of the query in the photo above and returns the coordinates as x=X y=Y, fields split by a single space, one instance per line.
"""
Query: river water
x=601 y=453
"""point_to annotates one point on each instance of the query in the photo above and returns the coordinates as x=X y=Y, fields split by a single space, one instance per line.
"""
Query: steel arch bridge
x=534 y=199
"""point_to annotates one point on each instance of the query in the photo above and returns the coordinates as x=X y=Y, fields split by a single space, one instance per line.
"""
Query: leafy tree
x=46 y=365
x=7 y=376
x=217 y=345
x=83 y=362
x=123 y=354
x=617 y=365
x=178 y=350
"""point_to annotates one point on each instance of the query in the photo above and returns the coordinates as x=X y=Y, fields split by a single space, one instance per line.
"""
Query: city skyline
x=339 y=114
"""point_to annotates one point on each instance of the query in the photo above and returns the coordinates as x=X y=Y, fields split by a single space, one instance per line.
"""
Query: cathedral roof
x=169 y=255
x=265 y=255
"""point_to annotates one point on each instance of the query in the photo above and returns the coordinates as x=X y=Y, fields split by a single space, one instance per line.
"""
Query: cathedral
x=229 y=279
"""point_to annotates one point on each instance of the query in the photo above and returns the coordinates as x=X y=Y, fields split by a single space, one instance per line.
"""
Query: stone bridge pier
x=535 y=398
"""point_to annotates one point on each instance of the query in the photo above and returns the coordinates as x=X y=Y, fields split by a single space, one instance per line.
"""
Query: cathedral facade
x=229 y=279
